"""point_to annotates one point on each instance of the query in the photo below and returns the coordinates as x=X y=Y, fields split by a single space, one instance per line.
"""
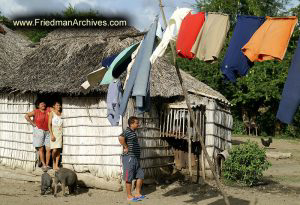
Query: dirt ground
x=282 y=186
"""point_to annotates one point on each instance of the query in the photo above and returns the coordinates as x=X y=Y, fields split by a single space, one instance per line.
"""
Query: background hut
x=15 y=140
x=56 y=69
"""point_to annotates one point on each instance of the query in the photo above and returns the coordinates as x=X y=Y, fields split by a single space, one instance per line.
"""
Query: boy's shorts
x=41 y=138
x=131 y=168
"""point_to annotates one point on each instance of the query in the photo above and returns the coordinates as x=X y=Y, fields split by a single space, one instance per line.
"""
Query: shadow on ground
x=268 y=185
x=232 y=200
x=148 y=189
x=199 y=192
x=178 y=184
x=82 y=189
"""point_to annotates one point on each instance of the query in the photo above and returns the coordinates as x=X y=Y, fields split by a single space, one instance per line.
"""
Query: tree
x=3 y=19
x=71 y=12
x=245 y=7
x=259 y=92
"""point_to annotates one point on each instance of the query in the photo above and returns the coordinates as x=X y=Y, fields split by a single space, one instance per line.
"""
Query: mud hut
x=57 y=68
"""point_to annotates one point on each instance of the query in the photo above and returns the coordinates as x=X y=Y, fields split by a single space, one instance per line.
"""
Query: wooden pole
x=190 y=147
x=203 y=165
x=184 y=90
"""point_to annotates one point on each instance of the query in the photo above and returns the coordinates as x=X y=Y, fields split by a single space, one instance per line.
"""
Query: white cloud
x=10 y=8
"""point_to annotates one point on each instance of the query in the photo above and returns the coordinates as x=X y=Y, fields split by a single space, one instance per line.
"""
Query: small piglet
x=46 y=182
x=65 y=177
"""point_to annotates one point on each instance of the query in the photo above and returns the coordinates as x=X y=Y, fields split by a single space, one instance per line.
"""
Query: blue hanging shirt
x=235 y=62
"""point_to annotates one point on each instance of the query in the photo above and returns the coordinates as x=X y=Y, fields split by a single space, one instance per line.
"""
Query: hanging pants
x=290 y=98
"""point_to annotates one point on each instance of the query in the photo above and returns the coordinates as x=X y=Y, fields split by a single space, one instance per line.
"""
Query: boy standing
x=131 y=159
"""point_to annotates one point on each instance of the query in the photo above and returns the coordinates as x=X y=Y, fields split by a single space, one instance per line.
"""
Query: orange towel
x=271 y=39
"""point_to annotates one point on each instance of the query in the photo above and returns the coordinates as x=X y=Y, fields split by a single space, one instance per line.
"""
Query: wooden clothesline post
x=192 y=115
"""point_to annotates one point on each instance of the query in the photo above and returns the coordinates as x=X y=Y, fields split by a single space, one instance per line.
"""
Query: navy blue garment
x=290 y=98
x=235 y=62
x=118 y=70
x=107 y=61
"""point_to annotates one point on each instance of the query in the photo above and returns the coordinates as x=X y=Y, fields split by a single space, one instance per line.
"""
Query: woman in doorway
x=41 y=135
x=55 y=128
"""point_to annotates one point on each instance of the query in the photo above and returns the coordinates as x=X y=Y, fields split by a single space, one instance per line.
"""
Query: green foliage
x=71 y=12
x=245 y=7
x=33 y=34
x=2 y=17
x=245 y=164
x=292 y=130
x=261 y=89
x=238 y=127
x=36 y=34
x=4 y=20
x=295 y=11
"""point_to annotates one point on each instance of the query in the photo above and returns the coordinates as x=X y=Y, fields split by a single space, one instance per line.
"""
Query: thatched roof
x=165 y=82
x=64 y=58
x=13 y=48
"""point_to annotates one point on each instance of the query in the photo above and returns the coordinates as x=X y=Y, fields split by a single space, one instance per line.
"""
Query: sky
x=140 y=12
x=293 y=3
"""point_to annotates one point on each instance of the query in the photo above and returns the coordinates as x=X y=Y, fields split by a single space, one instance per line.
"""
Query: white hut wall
x=156 y=155
x=90 y=143
x=218 y=129
x=16 y=149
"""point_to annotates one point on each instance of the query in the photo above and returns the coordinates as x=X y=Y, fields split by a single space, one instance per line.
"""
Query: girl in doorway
x=55 y=128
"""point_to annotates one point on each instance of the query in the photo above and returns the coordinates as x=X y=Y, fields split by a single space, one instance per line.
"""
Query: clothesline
x=214 y=30
x=200 y=35
x=254 y=39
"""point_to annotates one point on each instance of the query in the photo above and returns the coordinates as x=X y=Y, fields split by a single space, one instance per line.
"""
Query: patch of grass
x=35 y=35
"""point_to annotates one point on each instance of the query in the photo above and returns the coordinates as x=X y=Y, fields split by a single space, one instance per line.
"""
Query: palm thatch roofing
x=13 y=49
x=64 y=58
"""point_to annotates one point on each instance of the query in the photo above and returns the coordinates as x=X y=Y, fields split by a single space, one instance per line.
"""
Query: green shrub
x=245 y=164
x=238 y=127
x=292 y=130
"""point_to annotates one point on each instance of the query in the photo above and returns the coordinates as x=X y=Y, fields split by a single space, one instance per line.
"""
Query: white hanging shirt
x=170 y=33
x=159 y=30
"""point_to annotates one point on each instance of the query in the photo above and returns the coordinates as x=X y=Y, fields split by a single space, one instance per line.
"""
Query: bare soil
x=281 y=186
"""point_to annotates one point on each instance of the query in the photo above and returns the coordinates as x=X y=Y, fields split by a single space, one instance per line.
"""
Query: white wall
x=16 y=149
x=90 y=143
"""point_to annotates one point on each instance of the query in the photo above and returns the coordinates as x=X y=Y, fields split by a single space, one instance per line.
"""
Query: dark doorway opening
x=50 y=100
